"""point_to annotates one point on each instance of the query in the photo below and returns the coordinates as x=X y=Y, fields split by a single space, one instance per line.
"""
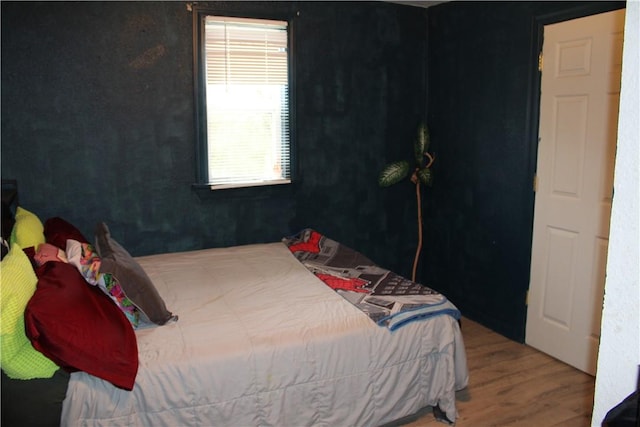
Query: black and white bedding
x=387 y=298
x=261 y=341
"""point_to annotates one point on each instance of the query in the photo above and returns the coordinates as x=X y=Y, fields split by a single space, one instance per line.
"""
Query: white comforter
x=260 y=341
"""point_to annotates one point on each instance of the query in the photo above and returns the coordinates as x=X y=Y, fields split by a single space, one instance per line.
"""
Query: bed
x=252 y=336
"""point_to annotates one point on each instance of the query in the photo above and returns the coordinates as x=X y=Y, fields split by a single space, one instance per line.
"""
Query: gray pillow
x=135 y=283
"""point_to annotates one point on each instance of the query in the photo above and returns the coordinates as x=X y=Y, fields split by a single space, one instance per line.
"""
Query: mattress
x=260 y=341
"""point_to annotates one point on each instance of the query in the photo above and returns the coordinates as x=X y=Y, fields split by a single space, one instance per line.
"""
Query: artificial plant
x=420 y=170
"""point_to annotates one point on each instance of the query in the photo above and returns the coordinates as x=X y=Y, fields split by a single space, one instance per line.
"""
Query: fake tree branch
x=397 y=171
x=419 y=248
x=416 y=181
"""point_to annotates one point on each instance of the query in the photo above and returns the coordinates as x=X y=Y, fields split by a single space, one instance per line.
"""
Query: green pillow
x=18 y=358
x=17 y=285
x=28 y=230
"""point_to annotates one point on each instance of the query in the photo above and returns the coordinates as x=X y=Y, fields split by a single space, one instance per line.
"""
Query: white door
x=580 y=91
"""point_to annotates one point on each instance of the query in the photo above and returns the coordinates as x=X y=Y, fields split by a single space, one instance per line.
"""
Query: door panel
x=580 y=88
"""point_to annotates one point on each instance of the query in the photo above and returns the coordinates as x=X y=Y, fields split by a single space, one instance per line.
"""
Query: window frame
x=199 y=84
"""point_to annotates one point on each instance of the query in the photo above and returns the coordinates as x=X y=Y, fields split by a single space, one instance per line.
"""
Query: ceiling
x=418 y=3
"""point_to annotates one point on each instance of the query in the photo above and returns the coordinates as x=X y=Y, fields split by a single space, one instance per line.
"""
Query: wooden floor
x=511 y=384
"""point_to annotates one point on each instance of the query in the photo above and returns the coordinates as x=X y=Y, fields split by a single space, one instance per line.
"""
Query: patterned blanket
x=387 y=298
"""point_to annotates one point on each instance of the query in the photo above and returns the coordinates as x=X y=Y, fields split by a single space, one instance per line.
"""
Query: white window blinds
x=247 y=101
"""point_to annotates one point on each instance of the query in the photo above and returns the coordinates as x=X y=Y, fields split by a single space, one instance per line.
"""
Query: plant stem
x=419 y=248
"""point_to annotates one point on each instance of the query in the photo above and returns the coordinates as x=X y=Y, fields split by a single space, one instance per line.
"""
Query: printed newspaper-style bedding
x=387 y=298
x=261 y=341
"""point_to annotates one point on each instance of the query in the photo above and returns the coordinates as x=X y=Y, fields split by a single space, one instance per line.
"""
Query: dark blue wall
x=98 y=124
x=482 y=110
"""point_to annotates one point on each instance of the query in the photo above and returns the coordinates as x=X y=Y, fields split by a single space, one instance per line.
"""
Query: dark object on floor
x=441 y=416
x=625 y=414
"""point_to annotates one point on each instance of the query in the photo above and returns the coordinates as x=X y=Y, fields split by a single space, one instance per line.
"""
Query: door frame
x=533 y=122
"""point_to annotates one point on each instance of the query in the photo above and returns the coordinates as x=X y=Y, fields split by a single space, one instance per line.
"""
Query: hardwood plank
x=512 y=384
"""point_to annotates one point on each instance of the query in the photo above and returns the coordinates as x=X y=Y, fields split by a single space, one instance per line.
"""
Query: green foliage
x=394 y=173
x=420 y=172
x=424 y=175
x=421 y=144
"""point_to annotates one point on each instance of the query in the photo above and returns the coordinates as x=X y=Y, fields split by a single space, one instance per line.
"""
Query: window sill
x=215 y=187
x=258 y=190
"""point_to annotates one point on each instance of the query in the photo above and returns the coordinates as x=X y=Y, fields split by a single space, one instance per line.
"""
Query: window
x=242 y=88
